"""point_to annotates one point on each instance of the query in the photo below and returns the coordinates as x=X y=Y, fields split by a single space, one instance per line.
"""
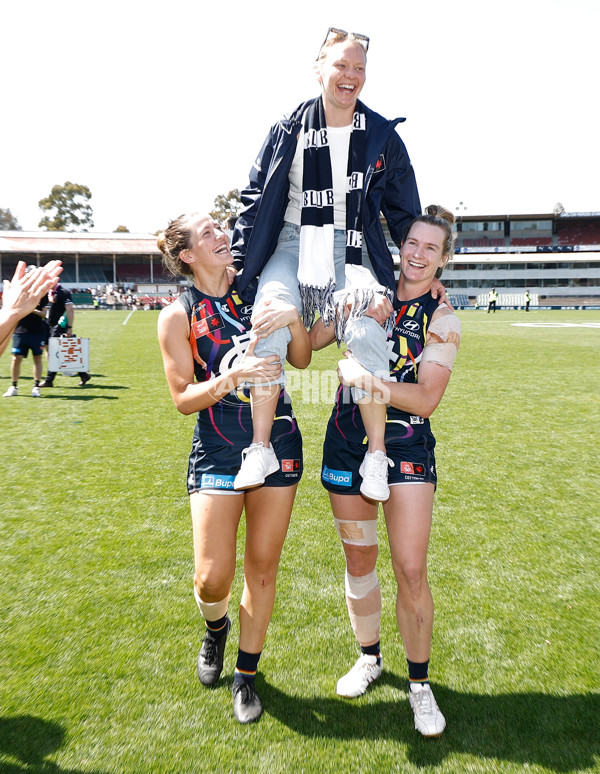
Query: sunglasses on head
x=333 y=33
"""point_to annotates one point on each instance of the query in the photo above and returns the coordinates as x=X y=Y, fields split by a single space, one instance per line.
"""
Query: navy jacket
x=389 y=187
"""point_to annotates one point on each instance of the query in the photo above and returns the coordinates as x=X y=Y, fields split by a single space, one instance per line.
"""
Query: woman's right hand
x=380 y=309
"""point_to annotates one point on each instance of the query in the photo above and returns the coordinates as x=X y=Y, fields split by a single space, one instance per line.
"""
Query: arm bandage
x=443 y=340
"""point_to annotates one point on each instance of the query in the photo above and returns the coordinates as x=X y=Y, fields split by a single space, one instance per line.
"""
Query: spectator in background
x=31 y=333
x=61 y=304
x=23 y=293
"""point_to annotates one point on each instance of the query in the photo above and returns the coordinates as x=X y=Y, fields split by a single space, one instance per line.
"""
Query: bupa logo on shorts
x=411 y=325
x=338 y=477
x=216 y=481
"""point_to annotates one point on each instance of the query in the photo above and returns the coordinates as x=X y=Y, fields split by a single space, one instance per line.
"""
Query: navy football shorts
x=23 y=342
x=214 y=469
x=413 y=463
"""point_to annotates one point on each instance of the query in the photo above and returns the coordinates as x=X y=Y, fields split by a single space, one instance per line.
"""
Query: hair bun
x=437 y=211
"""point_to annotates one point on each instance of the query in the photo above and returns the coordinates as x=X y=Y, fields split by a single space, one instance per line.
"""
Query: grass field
x=100 y=631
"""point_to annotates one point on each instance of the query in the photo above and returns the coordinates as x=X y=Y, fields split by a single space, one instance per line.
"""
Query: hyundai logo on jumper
x=210 y=481
x=339 y=477
x=411 y=325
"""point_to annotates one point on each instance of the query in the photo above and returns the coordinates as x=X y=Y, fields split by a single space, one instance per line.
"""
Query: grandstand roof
x=530 y=216
x=524 y=257
x=81 y=242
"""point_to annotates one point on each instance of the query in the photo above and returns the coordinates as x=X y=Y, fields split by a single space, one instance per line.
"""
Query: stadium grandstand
x=125 y=264
x=555 y=256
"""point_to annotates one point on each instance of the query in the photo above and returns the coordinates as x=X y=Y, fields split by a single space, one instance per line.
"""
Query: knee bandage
x=212 y=611
x=363 y=598
x=357 y=533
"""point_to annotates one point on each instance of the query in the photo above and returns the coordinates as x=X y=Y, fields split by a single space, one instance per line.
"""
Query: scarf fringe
x=359 y=300
x=315 y=299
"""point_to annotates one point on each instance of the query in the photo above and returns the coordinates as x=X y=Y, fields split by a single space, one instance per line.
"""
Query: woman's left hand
x=273 y=315
x=439 y=291
x=231 y=273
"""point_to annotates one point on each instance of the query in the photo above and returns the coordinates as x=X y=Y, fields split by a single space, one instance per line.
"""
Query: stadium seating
x=458 y=301
x=508 y=299
x=578 y=234
x=535 y=241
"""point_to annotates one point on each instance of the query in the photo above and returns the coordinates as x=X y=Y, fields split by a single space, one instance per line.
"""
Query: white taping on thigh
x=357 y=533
x=212 y=611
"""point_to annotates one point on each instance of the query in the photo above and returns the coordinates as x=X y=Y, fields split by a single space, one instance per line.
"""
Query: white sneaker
x=35 y=393
x=429 y=721
x=374 y=472
x=258 y=462
x=11 y=392
x=356 y=682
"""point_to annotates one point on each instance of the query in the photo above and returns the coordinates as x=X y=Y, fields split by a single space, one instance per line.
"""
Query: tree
x=68 y=208
x=121 y=230
x=8 y=222
x=226 y=207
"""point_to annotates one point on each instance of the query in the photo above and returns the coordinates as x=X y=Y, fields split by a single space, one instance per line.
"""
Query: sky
x=160 y=107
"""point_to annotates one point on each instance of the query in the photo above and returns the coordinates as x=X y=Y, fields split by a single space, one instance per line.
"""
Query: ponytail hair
x=172 y=242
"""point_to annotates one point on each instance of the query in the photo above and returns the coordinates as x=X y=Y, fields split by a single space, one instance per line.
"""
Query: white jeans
x=279 y=279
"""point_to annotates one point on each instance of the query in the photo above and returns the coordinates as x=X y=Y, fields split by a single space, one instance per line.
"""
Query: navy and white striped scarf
x=316 y=273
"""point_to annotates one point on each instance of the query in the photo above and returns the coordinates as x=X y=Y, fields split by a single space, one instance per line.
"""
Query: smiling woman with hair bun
x=422 y=348
x=208 y=353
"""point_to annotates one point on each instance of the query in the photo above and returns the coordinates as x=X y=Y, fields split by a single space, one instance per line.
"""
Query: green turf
x=100 y=632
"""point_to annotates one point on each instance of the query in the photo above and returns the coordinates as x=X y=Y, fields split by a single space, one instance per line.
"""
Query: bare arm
x=70 y=312
x=422 y=398
x=321 y=336
x=188 y=395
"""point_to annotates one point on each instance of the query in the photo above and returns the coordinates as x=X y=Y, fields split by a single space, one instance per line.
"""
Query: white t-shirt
x=339 y=146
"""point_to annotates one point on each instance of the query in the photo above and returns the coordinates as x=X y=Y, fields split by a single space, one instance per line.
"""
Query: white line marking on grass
x=556 y=325
x=126 y=320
